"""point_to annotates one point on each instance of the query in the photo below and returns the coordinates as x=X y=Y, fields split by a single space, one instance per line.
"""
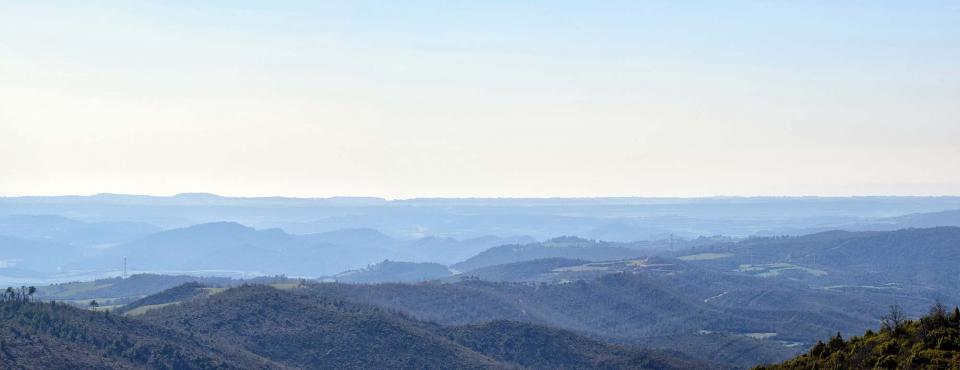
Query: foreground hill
x=260 y=327
x=635 y=309
x=56 y=336
x=514 y=342
x=316 y=331
x=313 y=332
x=932 y=342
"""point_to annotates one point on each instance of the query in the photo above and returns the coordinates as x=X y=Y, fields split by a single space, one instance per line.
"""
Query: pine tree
x=836 y=343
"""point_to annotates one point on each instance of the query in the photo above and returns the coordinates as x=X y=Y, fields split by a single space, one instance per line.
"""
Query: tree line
x=21 y=294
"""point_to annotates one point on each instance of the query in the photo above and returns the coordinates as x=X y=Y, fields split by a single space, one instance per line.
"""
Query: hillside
x=925 y=220
x=113 y=291
x=445 y=250
x=394 y=272
x=694 y=304
x=232 y=247
x=223 y=245
x=316 y=331
x=533 y=270
x=350 y=237
x=63 y=230
x=180 y=293
x=33 y=256
x=312 y=332
x=563 y=247
x=912 y=220
x=514 y=342
x=260 y=327
x=55 y=336
x=931 y=342
x=922 y=261
x=637 y=308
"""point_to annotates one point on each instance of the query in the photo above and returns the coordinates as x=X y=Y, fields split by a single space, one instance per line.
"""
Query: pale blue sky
x=480 y=98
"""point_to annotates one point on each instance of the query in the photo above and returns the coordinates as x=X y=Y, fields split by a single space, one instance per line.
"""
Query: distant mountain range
x=611 y=219
x=912 y=220
x=69 y=231
x=56 y=239
x=233 y=246
x=213 y=248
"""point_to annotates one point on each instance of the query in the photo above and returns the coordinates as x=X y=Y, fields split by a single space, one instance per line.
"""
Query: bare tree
x=21 y=294
x=938 y=310
x=894 y=319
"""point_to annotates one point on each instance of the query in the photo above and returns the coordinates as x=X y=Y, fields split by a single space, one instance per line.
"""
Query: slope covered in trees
x=260 y=327
x=36 y=335
x=313 y=332
x=303 y=330
x=179 y=293
x=915 y=261
x=634 y=309
x=931 y=342
x=394 y=272
x=533 y=270
x=514 y=342
x=117 y=290
x=562 y=247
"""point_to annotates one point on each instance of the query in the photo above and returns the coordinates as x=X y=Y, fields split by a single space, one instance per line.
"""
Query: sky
x=480 y=98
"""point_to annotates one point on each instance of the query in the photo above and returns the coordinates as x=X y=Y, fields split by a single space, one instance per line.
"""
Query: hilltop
x=930 y=342
x=395 y=272
x=561 y=247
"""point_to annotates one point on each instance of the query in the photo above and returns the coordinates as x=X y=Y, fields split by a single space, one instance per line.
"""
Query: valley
x=716 y=301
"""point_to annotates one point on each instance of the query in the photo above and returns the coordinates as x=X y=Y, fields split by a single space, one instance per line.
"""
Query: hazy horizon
x=480 y=99
x=307 y=197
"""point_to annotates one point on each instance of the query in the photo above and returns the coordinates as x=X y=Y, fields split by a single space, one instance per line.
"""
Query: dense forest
x=38 y=335
x=262 y=327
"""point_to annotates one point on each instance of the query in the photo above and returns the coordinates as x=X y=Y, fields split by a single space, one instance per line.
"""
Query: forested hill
x=36 y=335
x=931 y=342
x=261 y=327
x=303 y=330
